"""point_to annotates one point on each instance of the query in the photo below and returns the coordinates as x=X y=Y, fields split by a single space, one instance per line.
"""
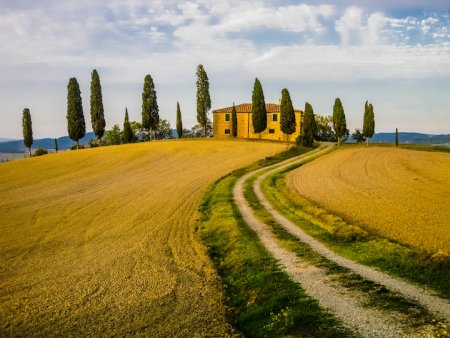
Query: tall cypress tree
x=309 y=127
x=369 y=122
x=127 y=131
x=56 y=145
x=76 y=125
x=27 y=129
x=259 y=114
x=179 y=122
x=287 y=119
x=396 y=137
x=234 y=125
x=203 y=97
x=339 y=123
x=150 y=110
x=97 y=113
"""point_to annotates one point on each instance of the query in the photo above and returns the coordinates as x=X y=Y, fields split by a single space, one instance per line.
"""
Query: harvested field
x=401 y=194
x=102 y=241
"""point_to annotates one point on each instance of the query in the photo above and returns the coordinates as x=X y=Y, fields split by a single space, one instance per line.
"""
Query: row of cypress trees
x=76 y=125
x=259 y=114
x=150 y=113
x=309 y=126
x=75 y=118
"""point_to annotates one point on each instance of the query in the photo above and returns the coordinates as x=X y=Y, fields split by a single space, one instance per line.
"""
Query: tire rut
x=345 y=304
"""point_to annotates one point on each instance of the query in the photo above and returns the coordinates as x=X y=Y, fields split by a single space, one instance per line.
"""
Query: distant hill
x=16 y=146
x=2 y=139
x=411 y=138
x=64 y=143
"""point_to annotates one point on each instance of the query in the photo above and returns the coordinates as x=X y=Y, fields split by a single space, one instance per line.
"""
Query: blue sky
x=396 y=54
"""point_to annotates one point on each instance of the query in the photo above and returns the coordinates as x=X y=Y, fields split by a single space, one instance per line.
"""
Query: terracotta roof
x=247 y=108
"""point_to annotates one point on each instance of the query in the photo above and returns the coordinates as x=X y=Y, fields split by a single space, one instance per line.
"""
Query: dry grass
x=400 y=194
x=102 y=241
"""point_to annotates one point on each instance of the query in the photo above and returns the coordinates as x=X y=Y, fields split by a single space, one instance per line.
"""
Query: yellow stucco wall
x=245 y=126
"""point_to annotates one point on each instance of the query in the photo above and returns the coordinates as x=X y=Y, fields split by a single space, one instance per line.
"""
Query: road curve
x=344 y=304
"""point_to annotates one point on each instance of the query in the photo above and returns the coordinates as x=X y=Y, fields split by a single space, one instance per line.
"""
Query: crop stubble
x=401 y=194
x=102 y=241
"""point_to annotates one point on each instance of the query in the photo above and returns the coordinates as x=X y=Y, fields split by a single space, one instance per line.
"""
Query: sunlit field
x=102 y=241
x=401 y=194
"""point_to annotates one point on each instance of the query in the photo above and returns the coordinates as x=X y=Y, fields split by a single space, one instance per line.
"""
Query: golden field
x=102 y=241
x=401 y=194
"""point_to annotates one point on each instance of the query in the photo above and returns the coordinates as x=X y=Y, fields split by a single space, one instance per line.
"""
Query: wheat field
x=401 y=194
x=102 y=241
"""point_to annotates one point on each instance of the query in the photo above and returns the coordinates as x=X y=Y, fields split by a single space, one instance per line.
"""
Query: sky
x=396 y=54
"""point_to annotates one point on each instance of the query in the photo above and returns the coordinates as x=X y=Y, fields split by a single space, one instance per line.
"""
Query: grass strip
x=350 y=241
x=262 y=300
x=377 y=295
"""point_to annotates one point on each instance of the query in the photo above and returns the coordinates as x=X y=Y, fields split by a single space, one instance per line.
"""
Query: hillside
x=2 y=139
x=102 y=241
x=411 y=138
x=64 y=143
x=397 y=193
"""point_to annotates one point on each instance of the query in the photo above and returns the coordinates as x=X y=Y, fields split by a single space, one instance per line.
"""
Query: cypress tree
x=339 y=123
x=396 y=137
x=27 y=129
x=97 y=113
x=259 y=114
x=75 y=118
x=309 y=127
x=150 y=110
x=369 y=122
x=234 y=121
x=56 y=145
x=203 y=97
x=287 y=119
x=127 y=131
x=179 y=122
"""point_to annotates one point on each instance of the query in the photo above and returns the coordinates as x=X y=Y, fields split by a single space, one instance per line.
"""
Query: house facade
x=222 y=123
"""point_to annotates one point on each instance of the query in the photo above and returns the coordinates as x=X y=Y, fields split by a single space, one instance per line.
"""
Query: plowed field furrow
x=102 y=241
x=397 y=193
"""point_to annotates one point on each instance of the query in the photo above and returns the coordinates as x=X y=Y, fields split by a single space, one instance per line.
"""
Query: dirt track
x=348 y=306
x=401 y=194
x=102 y=241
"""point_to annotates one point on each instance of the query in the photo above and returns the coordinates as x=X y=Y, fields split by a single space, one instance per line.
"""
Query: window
x=227 y=117
x=274 y=117
x=271 y=131
x=227 y=131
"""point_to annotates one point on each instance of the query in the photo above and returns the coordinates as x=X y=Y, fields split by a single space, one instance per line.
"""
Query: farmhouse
x=222 y=123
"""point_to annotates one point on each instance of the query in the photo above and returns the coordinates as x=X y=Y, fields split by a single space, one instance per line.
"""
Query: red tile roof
x=247 y=108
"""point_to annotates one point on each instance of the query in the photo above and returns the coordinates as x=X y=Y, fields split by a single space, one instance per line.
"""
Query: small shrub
x=74 y=147
x=93 y=143
x=40 y=152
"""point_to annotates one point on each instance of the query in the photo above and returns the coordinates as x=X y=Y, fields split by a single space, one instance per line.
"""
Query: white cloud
x=294 y=18
x=349 y=26
x=355 y=27
x=339 y=63
x=127 y=39
x=375 y=23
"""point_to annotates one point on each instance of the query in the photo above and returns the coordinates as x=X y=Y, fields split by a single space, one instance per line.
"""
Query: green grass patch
x=351 y=241
x=262 y=300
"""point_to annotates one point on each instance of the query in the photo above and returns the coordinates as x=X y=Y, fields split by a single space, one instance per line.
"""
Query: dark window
x=271 y=131
x=275 y=117
x=227 y=117
x=227 y=131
